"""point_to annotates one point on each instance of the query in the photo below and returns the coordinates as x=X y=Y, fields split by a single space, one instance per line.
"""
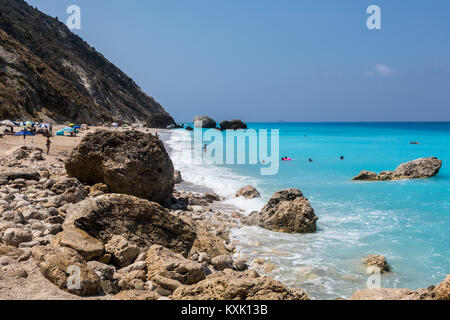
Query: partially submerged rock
x=140 y=221
x=204 y=122
x=129 y=162
x=248 y=192
x=417 y=169
x=233 y=285
x=177 y=177
x=287 y=211
x=379 y=261
x=235 y=124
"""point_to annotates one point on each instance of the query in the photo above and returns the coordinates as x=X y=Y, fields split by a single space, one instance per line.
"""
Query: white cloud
x=379 y=70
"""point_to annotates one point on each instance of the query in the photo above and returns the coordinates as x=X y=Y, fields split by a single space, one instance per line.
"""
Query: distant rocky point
x=417 y=169
x=48 y=73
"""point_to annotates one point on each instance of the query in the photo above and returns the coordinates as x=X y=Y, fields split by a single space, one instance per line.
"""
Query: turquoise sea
x=407 y=221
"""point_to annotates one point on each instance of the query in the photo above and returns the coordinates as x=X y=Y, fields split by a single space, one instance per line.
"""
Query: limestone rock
x=287 y=211
x=129 y=162
x=222 y=262
x=122 y=251
x=136 y=295
x=177 y=177
x=417 y=169
x=377 y=260
x=233 y=285
x=87 y=246
x=442 y=291
x=16 y=236
x=58 y=263
x=165 y=263
x=248 y=192
x=140 y=221
x=233 y=125
x=366 y=175
x=204 y=122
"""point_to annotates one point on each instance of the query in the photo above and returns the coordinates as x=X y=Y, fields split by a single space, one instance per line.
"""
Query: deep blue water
x=407 y=221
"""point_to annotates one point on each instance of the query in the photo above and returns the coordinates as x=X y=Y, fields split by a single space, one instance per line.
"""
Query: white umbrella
x=8 y=123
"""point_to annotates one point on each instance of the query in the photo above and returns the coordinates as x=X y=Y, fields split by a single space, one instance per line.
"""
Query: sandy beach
x=60 y=145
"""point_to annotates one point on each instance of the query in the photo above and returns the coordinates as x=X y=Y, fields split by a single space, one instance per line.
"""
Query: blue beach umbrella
x=24 y=133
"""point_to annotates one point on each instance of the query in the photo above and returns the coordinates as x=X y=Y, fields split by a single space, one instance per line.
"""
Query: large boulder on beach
x=67 y=269
x=248 y=192
x=163 y=264
x=417 y=169
x=287 y=211
x=204 y=122
x=139 y=221
x=235 y=124
x=232 y=285
x=128 y=162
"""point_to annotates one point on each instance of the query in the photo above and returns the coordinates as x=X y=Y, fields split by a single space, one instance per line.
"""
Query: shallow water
x=407 y=221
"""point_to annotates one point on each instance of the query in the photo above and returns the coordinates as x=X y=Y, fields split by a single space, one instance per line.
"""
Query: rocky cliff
x=48 y=73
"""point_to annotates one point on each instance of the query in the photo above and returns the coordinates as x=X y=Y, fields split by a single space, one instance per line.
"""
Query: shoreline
x=215 y=222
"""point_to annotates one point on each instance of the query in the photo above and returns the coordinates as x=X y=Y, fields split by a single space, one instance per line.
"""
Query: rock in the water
x=177 y=177
x=122 y=251
x=248 y=192
x=233 y=285
x=287 y=211
x=129 y=162
x=378 y=261
x=417 y=169
x=366 y=176
x=233 y=125
x=87 y=246
x=204 y=122
x=65 y=268
x=162 y=262
x=140 y=221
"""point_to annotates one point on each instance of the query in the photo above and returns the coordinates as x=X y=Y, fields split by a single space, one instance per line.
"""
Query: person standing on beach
x=48 y=145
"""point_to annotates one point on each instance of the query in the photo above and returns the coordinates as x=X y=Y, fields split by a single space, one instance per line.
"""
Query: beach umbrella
x=68 y=129
x=76 y=127
x=125 y=125
x=71 y=124
x=24 y=133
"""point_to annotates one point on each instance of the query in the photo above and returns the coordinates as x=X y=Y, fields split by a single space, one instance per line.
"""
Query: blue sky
x=298 y=60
